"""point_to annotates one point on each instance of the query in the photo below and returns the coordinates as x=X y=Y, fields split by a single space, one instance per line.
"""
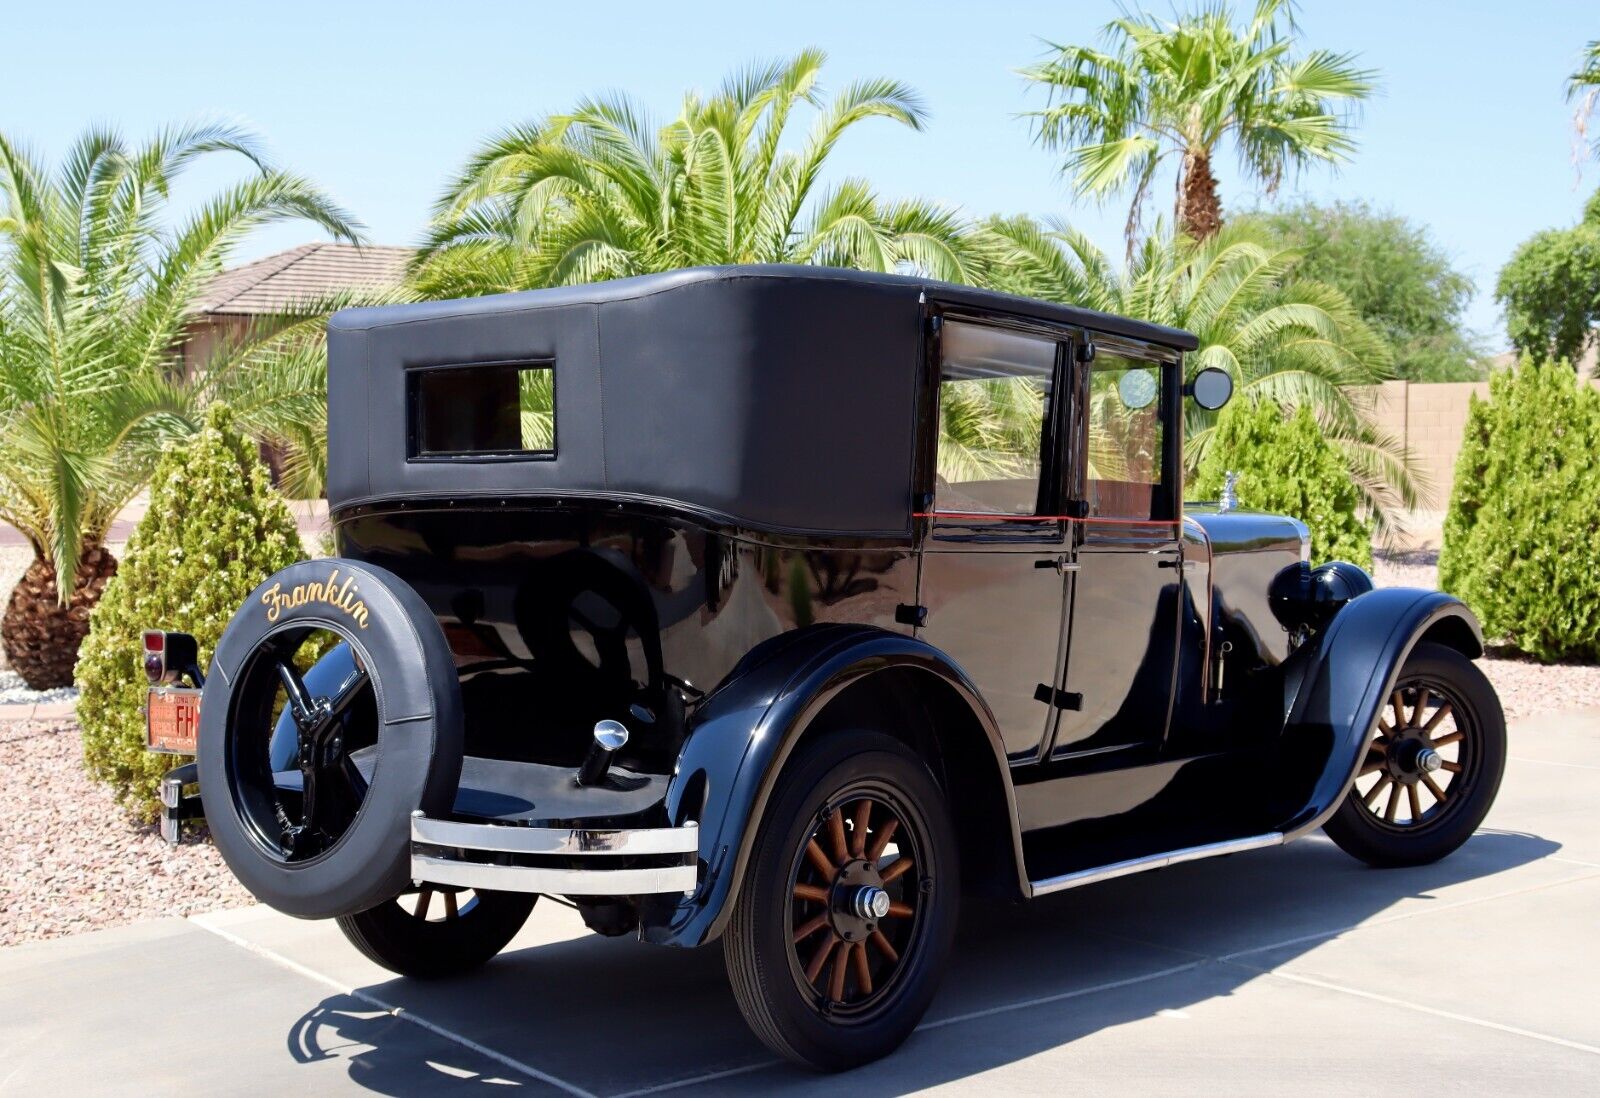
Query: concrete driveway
x=1293 y=970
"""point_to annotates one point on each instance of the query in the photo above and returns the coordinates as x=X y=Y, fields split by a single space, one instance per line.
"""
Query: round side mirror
x=1211 y=388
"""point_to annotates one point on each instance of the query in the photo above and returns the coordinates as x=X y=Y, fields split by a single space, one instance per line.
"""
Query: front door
x=1124 y=604
x=992 y=570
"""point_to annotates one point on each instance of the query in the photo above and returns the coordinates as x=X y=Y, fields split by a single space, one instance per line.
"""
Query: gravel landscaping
x=70 y=861
x=1526 y=688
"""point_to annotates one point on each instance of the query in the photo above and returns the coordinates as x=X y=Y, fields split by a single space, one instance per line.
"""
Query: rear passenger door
x=995 y=549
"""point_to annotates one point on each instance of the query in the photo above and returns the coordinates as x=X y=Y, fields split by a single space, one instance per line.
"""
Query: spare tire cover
x=418 y=765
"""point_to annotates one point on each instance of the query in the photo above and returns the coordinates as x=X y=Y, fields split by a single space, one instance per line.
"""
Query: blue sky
x=380 y=103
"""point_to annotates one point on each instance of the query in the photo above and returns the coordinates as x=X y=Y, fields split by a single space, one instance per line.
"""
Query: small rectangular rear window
x=495 y=409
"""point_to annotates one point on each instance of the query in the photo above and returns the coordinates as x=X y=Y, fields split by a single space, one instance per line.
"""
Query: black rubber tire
x=1353 y=827
x=755 y=945
x=419 y=738
x=393 y=937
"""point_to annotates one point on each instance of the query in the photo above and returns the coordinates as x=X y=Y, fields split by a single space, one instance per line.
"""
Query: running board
x=1153 y=861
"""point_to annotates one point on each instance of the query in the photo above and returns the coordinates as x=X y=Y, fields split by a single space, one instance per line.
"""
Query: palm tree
x=1583 y=86
x=1281 y=338
x=1182 y=89
x=601 y=193
x=95 y=294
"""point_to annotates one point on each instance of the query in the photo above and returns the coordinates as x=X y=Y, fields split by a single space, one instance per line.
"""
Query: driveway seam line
x=1551 y=762
x=1045 y=1000
x=696 y=1080
x=1450 y=1015
x=401 y=1013
x=973 y=1015
x=1452 y=906
x=1340 y=931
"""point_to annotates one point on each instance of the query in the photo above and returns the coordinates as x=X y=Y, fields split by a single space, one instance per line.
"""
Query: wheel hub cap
x=870 y=902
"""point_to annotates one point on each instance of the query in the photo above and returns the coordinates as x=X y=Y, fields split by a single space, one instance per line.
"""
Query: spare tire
x=330 y=838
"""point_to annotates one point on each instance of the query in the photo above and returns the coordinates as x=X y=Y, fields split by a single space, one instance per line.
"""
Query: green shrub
x=215 y=529
x=1523 y=532
x=1285 y=465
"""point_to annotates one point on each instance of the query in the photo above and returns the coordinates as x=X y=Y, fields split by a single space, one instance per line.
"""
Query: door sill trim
x=1153 y=861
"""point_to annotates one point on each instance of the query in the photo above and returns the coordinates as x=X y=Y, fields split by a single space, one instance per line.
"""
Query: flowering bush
x=215 y=529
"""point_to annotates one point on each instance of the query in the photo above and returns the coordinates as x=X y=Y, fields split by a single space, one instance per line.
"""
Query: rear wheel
x=1432 y=768
x=434 y=931
x=847 y=914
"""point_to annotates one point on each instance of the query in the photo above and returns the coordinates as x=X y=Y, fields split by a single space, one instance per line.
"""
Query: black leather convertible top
x=778 y=397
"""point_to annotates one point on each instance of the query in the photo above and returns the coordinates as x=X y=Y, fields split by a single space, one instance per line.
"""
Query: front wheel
x=846 y=917
x=1432 y=768
x=434 y=931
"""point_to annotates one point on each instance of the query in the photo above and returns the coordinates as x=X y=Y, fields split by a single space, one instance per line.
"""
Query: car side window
x=1126 y=438
x=994 y=399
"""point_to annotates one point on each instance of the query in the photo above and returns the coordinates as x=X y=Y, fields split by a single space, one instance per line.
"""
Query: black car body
x=749 y=528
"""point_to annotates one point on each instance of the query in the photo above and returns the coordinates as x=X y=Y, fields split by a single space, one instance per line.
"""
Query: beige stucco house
x=276 y=283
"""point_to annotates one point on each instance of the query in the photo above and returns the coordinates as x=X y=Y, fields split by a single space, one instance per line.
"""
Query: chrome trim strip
x=1153 y=861
x=560 y=882
x=552 y=840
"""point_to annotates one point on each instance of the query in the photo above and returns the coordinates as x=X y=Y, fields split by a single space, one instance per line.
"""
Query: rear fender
x=1335 y=687
x=743 y=733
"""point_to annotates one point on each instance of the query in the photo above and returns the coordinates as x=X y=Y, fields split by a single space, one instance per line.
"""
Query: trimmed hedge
x=1522 y=536
x=214 y=530
x=1286 y=465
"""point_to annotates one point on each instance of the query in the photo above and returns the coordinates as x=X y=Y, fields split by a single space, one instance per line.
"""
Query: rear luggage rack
x=559 y=861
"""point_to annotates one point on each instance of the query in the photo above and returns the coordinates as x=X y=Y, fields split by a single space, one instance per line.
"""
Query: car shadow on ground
x=613 y=1016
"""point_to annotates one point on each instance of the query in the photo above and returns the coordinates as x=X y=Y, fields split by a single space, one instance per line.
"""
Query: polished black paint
x=1088 y=691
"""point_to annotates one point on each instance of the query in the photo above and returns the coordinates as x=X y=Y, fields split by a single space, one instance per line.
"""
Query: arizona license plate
x=172 y=719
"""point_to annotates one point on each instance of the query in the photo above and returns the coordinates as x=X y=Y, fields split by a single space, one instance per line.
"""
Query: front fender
x=742 y=734
x=1334 y=695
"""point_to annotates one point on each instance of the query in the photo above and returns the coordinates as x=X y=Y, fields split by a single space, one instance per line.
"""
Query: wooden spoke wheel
x=1431 y=768
x=847 y=912
x=856 y=893
x=1422 y=748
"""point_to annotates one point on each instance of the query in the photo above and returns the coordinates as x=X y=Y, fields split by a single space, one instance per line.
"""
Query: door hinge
x=1061 y=699
x=911 y=614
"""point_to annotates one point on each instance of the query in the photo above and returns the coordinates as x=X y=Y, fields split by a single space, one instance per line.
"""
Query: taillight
x=170 y=656
x=155 y=649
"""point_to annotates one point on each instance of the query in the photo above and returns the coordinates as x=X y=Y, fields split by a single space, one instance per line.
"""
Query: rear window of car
x=483 y=410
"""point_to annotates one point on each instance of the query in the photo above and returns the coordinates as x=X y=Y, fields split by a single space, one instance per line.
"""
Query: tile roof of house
x=276 y=282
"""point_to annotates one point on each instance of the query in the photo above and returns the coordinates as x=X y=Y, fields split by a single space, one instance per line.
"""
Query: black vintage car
x=786 y=606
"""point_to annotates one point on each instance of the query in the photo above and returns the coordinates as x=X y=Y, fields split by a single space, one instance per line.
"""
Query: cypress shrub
x=1522 y=534
x=214 y=530
x=1287 y=466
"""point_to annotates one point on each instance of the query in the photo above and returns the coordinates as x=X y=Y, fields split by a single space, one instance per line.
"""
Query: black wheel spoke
x=355 y=782
x=301 y=706
x=332 y=787
x=348 y=692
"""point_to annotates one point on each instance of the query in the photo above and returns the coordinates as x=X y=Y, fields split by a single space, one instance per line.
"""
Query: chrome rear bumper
x=557 y=861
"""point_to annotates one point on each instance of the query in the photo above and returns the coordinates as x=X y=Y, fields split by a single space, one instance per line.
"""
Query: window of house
x=499 y=409
x=1124 y=477
x=994 y=399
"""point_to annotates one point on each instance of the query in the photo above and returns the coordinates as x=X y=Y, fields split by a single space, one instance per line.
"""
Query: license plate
x=172 y=719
